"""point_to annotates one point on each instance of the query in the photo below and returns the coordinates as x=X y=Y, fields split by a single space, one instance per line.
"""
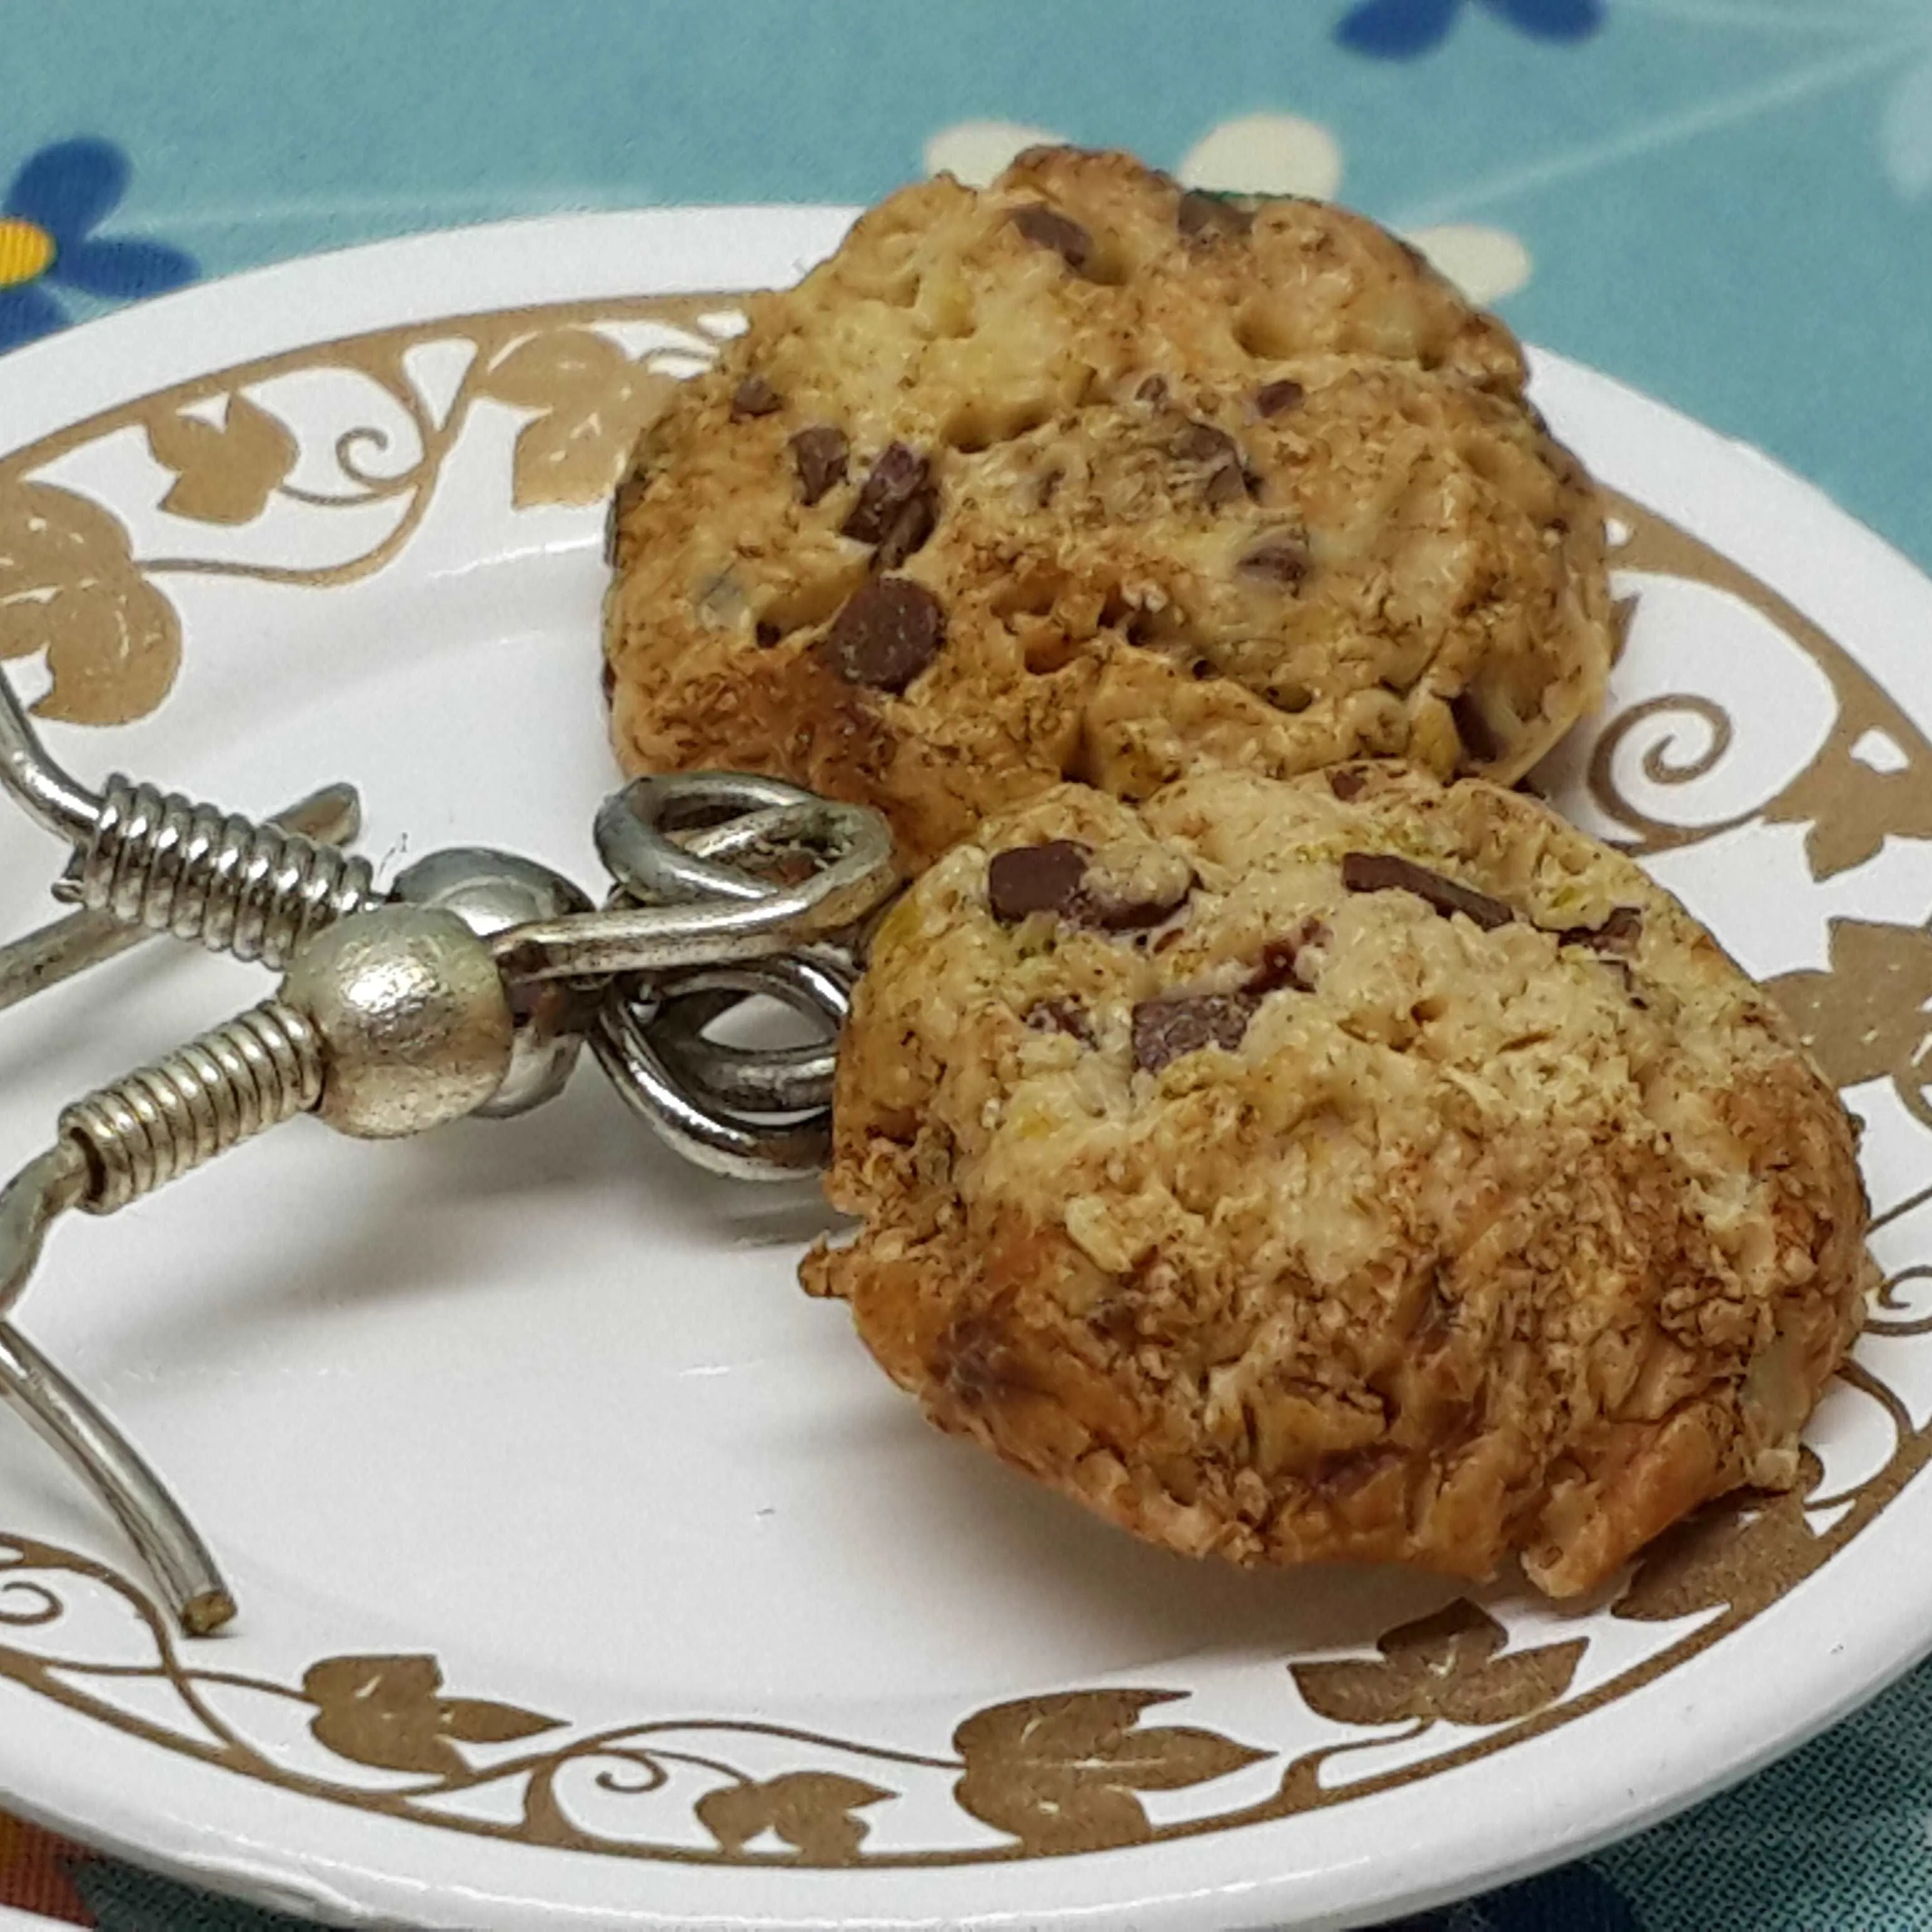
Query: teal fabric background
x=1729 y=203
x=1725 y=202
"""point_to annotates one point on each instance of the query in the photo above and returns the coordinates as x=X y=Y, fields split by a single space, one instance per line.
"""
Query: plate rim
x=489 y=251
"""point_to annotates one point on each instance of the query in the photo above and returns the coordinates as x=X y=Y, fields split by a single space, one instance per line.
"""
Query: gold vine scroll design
x=1864 y=1016
x=73 y=593
x=1847 y=807
x=1059 y=1773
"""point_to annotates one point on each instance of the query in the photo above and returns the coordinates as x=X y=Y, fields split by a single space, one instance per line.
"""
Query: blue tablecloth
x=1725 y=202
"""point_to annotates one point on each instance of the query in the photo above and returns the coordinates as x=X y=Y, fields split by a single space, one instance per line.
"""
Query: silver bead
x=490 y=892
x=414 y=1018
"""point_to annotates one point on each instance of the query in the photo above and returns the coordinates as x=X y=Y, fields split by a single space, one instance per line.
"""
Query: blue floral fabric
x=1725 y=202
x=65 y=192
x=1400 y=29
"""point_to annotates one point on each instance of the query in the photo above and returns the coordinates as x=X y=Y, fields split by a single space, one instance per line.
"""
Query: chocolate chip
x=1347 y=785
x=1227 y=485
x=1617 y=937
x=1282 y=560
x=1478 y=734
x=1621 y=930
x=1202 y=217
x=766 y=633
x=1054 y=877
x=896 y=478
x=1177 y=1023
x=820 y=452
x=1094 y=906
x=890 y=629
x=1384 y=871
x=1025 y=879
x=1228 y=479
x=1202 y=443
x=907 y=530
x=755 y=397
x=1061 y=1015
x=1280 y=963
x=1049 y=229
x=1277 y=398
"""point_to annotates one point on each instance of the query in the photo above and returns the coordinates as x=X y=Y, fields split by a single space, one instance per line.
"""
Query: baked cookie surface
x=1348 y=1166
x=1081 y=476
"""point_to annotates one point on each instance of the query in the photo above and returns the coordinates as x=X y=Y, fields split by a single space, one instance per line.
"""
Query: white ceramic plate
x=590 y=1574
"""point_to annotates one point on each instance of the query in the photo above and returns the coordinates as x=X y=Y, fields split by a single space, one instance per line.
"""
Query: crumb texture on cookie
x=1349 y=1166
x=1149 y=478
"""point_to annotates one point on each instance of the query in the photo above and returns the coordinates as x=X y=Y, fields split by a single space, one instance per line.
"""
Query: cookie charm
x=1083 y=477
x=1349 y=1166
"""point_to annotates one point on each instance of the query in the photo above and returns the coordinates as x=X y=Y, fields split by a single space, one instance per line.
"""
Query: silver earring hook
x=161 y=861
x=727 y=888
x=54 y=800
x=54 y=952
x=104 y=1458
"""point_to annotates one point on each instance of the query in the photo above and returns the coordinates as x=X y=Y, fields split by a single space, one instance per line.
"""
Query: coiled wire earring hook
x=465 y=990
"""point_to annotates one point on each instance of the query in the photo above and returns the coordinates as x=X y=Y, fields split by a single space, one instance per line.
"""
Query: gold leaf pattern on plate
x=1057 y=1774
x=1865 y=1017
x=593 y=402
x=1738 y=1555
x=69 y=589
x=1450 y=1666
x=1062 y=1771
x=386 y=1712
x=1848 y=805
x=810 y=1810
x=223 y=473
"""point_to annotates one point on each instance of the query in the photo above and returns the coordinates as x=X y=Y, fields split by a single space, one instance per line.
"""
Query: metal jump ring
x=851 y=848
x=760 y=1080
x=740 y=1149
x=635 y=826
x=684 y=843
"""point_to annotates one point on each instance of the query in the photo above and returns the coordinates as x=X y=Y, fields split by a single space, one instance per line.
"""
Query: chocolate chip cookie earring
x=468 y=987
